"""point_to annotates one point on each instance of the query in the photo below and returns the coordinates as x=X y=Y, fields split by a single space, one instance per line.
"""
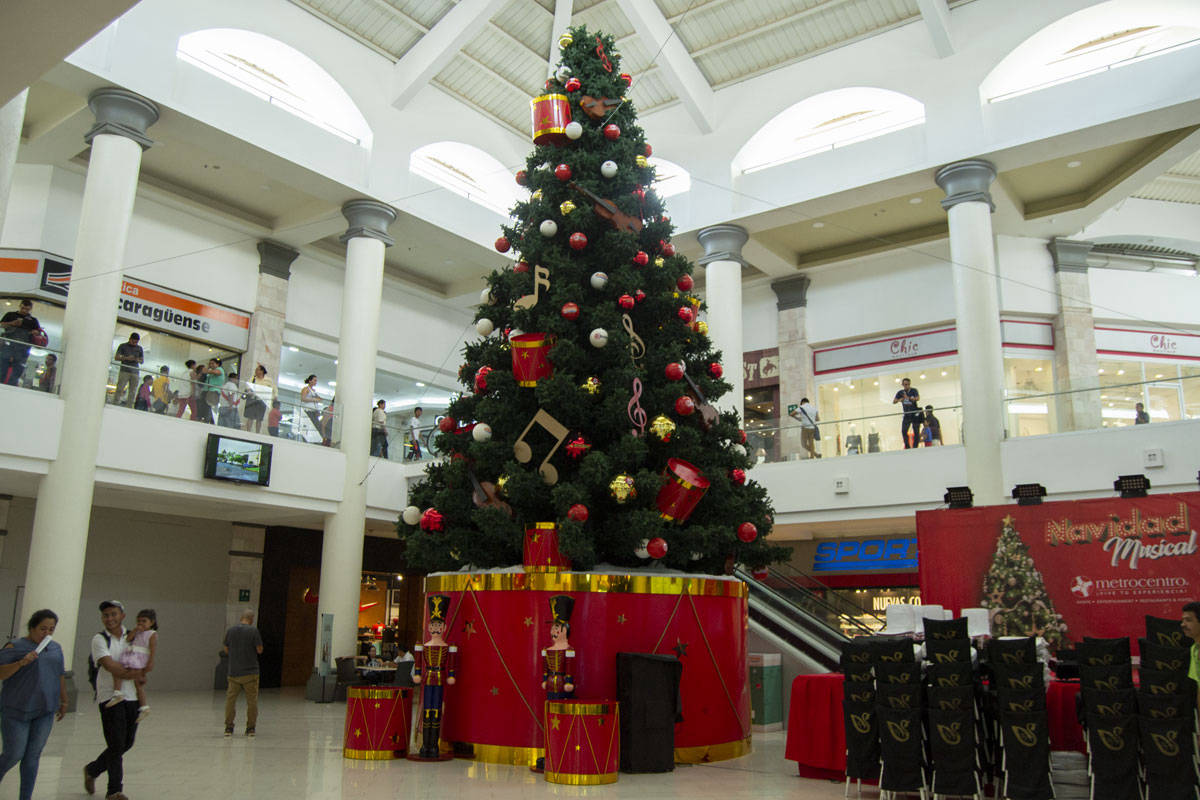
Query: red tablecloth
x=816 y=738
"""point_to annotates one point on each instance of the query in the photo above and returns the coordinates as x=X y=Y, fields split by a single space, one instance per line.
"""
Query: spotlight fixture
x=959 y=497
x=1028 y=494
x=1132 y=485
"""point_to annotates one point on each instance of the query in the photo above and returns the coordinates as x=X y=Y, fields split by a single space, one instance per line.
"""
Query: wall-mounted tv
x=237 y=460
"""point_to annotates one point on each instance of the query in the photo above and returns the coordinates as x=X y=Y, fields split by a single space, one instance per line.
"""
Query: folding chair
x=1169 y=756
x=1008 y=650
x=902 y=748
x=1158 y=682
x=1165 y=706
x=1018 y=676
x=1165 y=632
x=948 y=651
x=1162 y=657
x=953 y=674
x=1025 y=760
x=1110 y=677
x=862 y=743
x=900 y=697
x=1112 y=743
x=1105 y=703
x=856 y=651
x=945 y=629
x=893 y=673
x=953 y=752
x=1022 y=701
x=858 y=673
x=1101 y=652
x=892 y=649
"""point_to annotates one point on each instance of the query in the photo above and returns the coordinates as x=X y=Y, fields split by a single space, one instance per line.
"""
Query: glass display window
x=761 y=421
x=1029 y=386
x=164 y=350
x=1167 y=391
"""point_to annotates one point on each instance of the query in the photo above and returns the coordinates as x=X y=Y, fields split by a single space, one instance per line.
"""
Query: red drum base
x=583 y=742
x=377 y=722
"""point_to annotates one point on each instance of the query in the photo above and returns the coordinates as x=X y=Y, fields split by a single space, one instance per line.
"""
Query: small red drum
x=530 y=358
x=541 y=549
x=684 y=487
x=551 y=113
x=377 y=722
x=583 y=744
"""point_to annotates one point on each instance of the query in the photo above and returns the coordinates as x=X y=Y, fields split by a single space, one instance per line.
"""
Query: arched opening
x=467 y=171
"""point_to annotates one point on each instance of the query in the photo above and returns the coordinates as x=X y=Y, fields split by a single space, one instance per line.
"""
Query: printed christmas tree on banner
x=1015 y=594
x=587 y=411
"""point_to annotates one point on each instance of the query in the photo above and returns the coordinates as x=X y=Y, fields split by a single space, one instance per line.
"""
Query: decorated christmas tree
x=1015 y=594
x=586 y=415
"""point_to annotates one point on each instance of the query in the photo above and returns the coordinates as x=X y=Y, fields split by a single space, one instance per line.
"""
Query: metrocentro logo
x=1087 y=587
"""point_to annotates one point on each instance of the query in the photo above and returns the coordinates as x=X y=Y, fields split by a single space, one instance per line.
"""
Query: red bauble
x=738 y=476
x=686 y=313
x=447 y=424
x=641 y=259
x=578 y=241
x=625 y=76
x=578 y=512
x=685 y=405
x=578 y=447
x=502 y=244
x=747 y=532
x=570 y=311
x=716 y=370
x=741 y=435
x=649 y=150
x=522 y=266
x=481 y=379
x=573 y=85
x=685 y=282
x=656 y=547
x=612 y=132
x=639 y=193
x=674 y=371
x=639 y=296
x=625 y=301
x=562 y=172
x=432 y=520
x=522 y=178
x=667 y=248
x=760 y=574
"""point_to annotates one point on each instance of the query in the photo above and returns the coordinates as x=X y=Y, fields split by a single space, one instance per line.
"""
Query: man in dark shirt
x=931 y=432
x=910 y=400
x=129 y=356
x=244 y=645
x=17 y=328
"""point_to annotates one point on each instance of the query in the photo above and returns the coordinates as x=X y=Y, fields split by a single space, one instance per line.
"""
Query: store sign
x=888 y=554
x=143 y=304
x=911 y=347
x=1168 y=344
x=1027 y=333
x=760 y=368
x=880 y=603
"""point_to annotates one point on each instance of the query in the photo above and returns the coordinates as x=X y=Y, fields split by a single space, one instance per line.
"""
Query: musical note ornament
x=541 y=277
x=524 y=453
x=637 y=348
x=637 y=414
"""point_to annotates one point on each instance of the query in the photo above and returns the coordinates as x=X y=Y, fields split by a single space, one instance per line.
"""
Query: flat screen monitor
x=237 y=460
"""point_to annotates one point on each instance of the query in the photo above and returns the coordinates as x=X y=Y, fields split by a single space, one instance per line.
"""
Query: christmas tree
x=587 y=401
x=1015 y=595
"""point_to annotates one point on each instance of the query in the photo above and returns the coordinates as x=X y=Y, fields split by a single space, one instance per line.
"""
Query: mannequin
x=873 y=439
x=854 y=443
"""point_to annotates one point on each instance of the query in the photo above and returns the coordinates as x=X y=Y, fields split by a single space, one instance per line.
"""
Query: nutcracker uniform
x=433 y=667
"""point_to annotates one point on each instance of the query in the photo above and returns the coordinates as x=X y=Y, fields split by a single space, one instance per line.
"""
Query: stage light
x=1131 y=485
x=1028 y=494
x=958 y=496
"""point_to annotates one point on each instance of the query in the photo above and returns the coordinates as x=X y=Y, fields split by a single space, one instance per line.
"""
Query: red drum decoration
x=541 y=549
x=578 y=241
x=760 y=574
x=583 y=742
x=657 y=547
x=377 y=722
x=530 y=360
x=685 y=282
x=550 y=117
x=503 y=244
x=684 y=488
x=747 y=532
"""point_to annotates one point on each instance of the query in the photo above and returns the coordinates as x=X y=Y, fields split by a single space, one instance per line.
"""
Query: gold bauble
x=662 y=427
x=642 y=162
x=566 y=207
x=621 y=488
x=537 y=195
x=658 y=262
x=702 y=327
x=565 y=40
x=501 y=482
x=591 y=385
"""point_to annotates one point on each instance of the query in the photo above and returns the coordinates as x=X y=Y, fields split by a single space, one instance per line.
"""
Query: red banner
x=1065 y=569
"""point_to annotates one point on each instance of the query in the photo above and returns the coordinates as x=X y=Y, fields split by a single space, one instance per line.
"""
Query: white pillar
x=12 y=116
x=54 y=576
x=342 y=547
x=977 y=304
x=722 y=262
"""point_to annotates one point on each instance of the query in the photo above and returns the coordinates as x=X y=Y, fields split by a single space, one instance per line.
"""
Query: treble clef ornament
x=604 y=62
x=637 y=414
x=637 y=348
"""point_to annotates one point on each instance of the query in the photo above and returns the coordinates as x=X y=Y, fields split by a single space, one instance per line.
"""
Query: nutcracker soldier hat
x=561 y=606
x=439 y=607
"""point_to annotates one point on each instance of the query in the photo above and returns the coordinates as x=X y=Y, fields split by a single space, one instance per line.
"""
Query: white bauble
x=599 y=280
x=548 y=228
x=484 y=327
x=515 y=332
x=640 y=551
x=573 y=130
x=482 y=432
x=740 y=450
x=411 y=515
x=598 y=337
x=562 y=73
x=485 y=297
x=609 y=169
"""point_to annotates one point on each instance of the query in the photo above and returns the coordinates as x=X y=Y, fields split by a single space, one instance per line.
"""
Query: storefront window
x=1166 y=391
x=1032 y=378
x=762 y=417
x=164 y=350
x=1190 y=378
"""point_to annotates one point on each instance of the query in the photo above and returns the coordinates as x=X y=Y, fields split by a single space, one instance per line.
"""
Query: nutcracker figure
x=433 y=668
x=558 y=660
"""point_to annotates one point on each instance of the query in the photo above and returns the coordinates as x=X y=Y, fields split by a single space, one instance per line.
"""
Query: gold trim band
x=543 y=568
x=574 y=779
x=585 y=582
x=356 y=693
x=500 y=754
x=713 y=752
x=532 y=343
x=372 y=755
x=553 y=707
x=542 y=526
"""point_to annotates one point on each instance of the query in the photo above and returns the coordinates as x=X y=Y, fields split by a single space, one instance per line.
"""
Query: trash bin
x=766 y=692
x=648 y=691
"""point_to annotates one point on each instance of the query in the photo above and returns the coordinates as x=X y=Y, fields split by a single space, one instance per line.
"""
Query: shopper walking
x=227 y=408
x=910 y=426
x=119 y=722
x=33 y=697
x=129 y=357
x=259 y=390
x=208 y=393
x=414 y=436
x=17 y=328
x=184 y=388
x=243 y=644
x=806 y=413
x=379 y=438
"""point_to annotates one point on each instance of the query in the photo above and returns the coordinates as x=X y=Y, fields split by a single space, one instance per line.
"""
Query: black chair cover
x=952 y=747
x=1165 y=632
x=1109 y=678
x=858 y=673
x=1018 y=676
x=1168 y=755
x=1157 y=682
x=901 y=696
x=946 y=629
x=951 y=698
x=902 y=750
x=862 y=740
x=959 y=674
x=1102 y=652
x=892 y=649
x=1165 y=706
x=857 y=651
x=1012 y=651
x=860 y=693
x=1161 y=657
x=1022 y=701
x=1026 y=756
x=888 y=673
x=947 y=651
x=1102 y=703
x=1113 y=747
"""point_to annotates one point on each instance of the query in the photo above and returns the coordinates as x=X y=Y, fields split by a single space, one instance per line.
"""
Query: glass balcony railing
x=29 y=367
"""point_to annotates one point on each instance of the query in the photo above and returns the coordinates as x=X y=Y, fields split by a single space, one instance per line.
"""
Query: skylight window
x=1093 y=41
x=468 y=172
x=828 y=121
x=669 y=178
x=279 y=75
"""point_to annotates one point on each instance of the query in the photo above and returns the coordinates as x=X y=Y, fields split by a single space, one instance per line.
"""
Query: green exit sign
x=243 y=595
x=792 y=408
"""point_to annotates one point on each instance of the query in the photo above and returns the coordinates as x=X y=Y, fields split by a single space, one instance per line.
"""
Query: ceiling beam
x=562 y=20
x=937 y=21
x=791 y=19
x=436 y=49
x=677 y=65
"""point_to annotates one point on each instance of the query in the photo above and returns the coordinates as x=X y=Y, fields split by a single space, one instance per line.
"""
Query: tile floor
x=181 y=755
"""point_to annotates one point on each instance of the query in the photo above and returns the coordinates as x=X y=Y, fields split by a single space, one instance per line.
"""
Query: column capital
x=1069 y=255
x=722 y=243
x=122 y=113
x=966 y=182
x=276 y=259
x=368 y=219
x=791 y=292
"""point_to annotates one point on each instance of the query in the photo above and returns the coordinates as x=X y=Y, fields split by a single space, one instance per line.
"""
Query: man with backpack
x=120 y=721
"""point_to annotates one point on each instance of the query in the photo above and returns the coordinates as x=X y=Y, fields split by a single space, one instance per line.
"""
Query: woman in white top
x=309 y=422
x=260 y=391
